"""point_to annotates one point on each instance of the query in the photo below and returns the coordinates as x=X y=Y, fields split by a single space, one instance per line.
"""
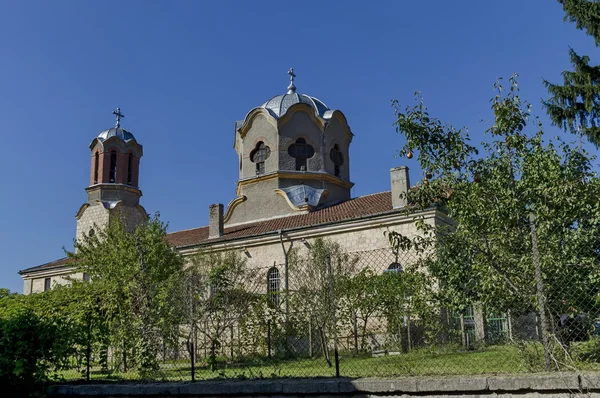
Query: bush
x=35 y=341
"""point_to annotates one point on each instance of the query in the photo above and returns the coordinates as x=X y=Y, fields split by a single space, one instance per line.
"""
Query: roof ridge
x=188 y=229
x=370 y=194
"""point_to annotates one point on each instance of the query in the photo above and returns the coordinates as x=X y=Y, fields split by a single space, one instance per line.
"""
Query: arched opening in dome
x=301 y=151
x=130 y=169
x=96 y=166
x=112 y=175
x=337 y=158
x=258 y=156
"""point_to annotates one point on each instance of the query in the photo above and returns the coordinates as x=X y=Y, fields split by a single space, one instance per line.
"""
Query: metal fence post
x=333 y=319
x=540 y=296
x=192 y=359
x=88 y=351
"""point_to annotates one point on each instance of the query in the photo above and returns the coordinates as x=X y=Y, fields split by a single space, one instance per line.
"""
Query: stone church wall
x=94 y=214
x=368 y=238
x=261 y=130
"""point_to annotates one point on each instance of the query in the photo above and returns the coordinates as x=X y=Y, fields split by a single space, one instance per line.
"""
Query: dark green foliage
x=575 y=105
x=586 y=15
x=40 y=335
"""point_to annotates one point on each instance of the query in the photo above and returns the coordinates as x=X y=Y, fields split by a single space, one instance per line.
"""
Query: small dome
x=118 y=132
x=280 y=104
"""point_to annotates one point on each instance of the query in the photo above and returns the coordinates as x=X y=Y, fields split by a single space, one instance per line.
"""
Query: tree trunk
x=540 y=295
x=355 y=334
x=324 y=346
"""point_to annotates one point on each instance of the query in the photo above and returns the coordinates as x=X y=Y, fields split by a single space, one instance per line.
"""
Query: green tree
x=222 y=292
x=575 y=105
x=484 y=253
x=135 y=276
x=320 y=279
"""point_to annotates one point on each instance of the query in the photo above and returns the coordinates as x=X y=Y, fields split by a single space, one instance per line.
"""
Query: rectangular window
x=47 y=285
x=86 y=277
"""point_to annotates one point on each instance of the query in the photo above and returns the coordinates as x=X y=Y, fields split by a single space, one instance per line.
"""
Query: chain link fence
x=378 y=313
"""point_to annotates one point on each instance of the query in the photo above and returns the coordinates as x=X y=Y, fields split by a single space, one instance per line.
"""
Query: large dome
x=118 y=132
x=280 y=104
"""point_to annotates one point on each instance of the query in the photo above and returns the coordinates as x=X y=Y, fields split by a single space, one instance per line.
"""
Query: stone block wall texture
x=36 y=285
x=560 y=385
x=94 y=214
x=359 y=241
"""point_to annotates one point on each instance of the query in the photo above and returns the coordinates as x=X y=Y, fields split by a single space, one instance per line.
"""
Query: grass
x=501 y=359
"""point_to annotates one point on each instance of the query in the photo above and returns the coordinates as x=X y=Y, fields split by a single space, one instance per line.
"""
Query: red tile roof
x=53 y=264
x=363 y=206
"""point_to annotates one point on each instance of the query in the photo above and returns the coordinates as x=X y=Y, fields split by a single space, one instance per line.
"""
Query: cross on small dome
x=119 y=115
x=291 y=88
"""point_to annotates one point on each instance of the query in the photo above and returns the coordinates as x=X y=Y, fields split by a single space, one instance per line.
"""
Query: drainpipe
x=285 y=267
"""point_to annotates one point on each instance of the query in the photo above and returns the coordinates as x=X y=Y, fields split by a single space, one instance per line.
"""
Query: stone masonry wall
x=369 y=238
x=94 y=214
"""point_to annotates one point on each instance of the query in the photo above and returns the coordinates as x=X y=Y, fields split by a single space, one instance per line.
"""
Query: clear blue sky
x=184 y=71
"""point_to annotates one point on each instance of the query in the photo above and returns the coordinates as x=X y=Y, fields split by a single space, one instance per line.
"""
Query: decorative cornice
x=339 y=115
x=299 y=175
x=81 y=210
x=301 y=107
x=114 y=186
x=116 y=142
x=232 y=205
x=250 y=117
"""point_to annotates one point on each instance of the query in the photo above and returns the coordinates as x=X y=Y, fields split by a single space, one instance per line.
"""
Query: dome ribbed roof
x=118 y=132
x=280 y=104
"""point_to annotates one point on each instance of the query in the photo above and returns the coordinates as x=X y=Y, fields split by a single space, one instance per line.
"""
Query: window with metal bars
x=273 y=286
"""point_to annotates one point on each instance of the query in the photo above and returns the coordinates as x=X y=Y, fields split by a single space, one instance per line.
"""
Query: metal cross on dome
x=119 y=115
x=291 y=87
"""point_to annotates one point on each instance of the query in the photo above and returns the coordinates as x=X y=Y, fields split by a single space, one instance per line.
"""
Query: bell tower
x=114 y=177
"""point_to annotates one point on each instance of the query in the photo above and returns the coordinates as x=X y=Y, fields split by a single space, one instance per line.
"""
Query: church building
x=294 y=186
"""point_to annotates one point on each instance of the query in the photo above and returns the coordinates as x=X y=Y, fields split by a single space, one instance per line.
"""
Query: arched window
x=259 y=155
x=337 y=158
x=96 y=165
x=394 y=267
x=273 y=286
x=301 y=151
x=112 y=175
x=129 y=168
